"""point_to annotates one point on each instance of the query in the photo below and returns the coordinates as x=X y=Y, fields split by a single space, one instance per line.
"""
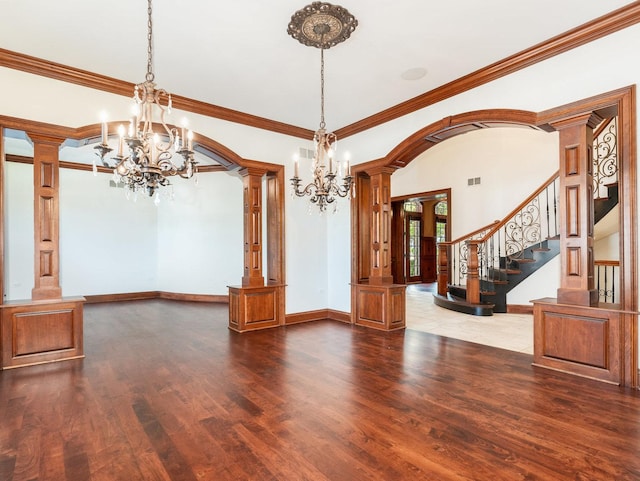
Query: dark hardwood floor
x=167 y=392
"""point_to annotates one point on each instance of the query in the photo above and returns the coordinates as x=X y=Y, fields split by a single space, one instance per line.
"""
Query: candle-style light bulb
x=190 y=140
x=121 y=140
x=296 y=158
x=183 y=124
x=104 y=130
x=347 y=166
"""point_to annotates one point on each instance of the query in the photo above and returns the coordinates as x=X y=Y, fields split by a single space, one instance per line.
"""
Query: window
x=440 y=211
x=413 y=253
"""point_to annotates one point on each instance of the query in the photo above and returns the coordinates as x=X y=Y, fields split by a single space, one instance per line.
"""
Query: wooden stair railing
x=483 y=251
x=444 y=256
x=490 y=253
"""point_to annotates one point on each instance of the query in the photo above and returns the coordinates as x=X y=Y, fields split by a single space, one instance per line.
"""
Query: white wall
x=511 y=163
x=607 y=248
x=542 y=283
x=200 y=235
x=108 y=244
x=19 y=248
x=306 y=252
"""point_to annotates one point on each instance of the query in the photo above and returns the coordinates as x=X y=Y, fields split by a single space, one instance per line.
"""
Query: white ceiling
x=237 y=54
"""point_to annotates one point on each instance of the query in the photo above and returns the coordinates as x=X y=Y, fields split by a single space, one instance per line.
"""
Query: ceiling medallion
x=322 y=25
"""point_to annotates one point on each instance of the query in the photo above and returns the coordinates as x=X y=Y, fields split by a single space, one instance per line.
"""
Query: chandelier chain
x=150 y=76
x=322 y=123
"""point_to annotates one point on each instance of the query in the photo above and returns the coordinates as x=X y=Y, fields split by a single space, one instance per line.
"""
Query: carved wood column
x=252 y=199
x=46 y=217
x=381 y=226
x=47 y=327
x=379 y=303
x=254 y=305
x=577 y=285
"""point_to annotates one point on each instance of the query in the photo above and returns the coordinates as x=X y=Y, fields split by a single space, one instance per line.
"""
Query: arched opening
x=622 y=367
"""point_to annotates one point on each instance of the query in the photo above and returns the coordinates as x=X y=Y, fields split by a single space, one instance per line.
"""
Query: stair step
x=524 y=260
x=460 y=305
x=513 y=271
x=540 y=249
x=499 y=281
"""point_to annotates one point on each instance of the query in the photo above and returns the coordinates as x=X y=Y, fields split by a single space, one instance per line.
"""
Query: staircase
x=477 y=271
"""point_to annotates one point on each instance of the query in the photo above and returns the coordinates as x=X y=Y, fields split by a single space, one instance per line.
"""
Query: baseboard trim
x=339 y=316
x=173 y=296
x=297 y=318
x=520 y=309
x=317 y=315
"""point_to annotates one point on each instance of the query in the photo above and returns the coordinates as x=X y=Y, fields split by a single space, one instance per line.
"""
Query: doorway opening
x=419 y=222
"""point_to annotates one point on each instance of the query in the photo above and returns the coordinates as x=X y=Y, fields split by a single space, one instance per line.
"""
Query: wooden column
x=252 y=199
x=577 y=285
x=381 y=226
x=275 y=228
x=380 y=304
x=46 y=218
x=47 y=327
x=254 y=305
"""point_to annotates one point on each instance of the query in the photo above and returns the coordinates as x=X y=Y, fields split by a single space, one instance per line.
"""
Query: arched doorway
x=619 y=102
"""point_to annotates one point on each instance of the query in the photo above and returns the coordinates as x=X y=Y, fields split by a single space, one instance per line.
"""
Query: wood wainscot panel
x=380 y=306
x=37 y=332
x=252 y=308
x=582 y=340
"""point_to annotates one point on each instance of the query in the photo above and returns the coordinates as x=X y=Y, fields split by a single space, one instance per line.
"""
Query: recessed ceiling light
x=414 y=73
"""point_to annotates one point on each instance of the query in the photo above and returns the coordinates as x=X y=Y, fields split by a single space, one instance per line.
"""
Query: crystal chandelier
x=147 y=164
x=323 y=25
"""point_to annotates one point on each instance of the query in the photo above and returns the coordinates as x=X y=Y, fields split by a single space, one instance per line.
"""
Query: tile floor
x=513 y=332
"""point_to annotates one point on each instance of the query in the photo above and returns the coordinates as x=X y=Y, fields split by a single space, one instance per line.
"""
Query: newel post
x=473 y=279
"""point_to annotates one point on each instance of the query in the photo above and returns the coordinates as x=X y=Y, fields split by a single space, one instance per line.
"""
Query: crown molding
x=600 y=27
x=45 y=68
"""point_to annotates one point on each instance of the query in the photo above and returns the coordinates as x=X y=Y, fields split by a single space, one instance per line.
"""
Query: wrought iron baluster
x=555 y=208
x=546 y=191
x=613 y=284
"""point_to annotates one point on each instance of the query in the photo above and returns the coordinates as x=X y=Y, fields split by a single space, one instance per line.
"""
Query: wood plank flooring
x=167 y=392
